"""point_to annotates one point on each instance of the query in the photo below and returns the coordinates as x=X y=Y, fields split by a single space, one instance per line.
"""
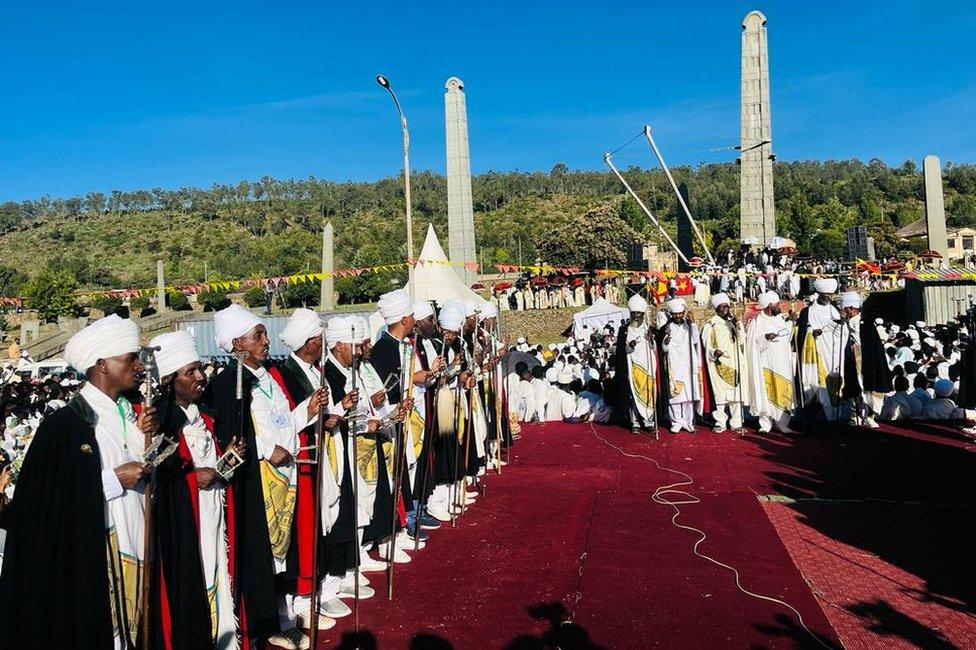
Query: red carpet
x=569 y=531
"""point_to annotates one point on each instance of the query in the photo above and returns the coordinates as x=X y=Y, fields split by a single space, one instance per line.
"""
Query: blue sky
x=104 y=95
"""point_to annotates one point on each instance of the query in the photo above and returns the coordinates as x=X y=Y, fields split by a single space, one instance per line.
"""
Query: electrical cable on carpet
x=686 y=498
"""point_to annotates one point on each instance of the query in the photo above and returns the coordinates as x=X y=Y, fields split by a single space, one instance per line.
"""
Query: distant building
x=961 y=240
x=648 y=256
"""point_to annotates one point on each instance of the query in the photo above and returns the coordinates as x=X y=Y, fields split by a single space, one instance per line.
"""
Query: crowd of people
x=274 y=485
x=782 y=367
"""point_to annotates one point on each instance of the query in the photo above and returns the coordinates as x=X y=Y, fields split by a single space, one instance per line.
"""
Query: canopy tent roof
x=599 y=314
x=435 y=279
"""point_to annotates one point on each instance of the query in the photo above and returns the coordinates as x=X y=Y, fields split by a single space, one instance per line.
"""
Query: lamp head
x=383 y=81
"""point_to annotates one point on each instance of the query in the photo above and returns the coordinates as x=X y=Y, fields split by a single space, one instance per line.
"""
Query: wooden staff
x=313 y=625
x=399 y=460
x=355 y=478
x=428 y=458
x=736 y=340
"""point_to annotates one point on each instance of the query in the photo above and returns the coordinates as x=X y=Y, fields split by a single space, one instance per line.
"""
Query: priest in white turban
x=724 y=340
x=636 y=369
x=682 y=377
x=196 y=608
x=769 y=366
x=821 y=351
x=74 y=544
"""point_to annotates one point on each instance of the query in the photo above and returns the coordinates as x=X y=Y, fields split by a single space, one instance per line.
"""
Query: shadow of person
x=562 y=634
x=885 y=620
x=362 y=640
x=427 y=641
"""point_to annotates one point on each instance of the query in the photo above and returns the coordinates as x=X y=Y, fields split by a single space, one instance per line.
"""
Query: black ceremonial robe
x=255 y=580
x=339 y=549
x=385 y=359
x=54 y=588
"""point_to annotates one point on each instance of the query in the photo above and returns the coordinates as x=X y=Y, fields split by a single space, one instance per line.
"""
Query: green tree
x=11 y=281
x=254 y=296
x=177 y=301
x=52 y=294
x=213 y=299
x=302 y=294
x=107 y=304
x=592 y=239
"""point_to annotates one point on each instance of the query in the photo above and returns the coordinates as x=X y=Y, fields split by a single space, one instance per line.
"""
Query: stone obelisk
x=935 y=219
x=327 y=290
x=757 y=214
x=460 y=211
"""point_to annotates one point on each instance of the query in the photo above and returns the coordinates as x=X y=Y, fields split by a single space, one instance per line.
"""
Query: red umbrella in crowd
x=931 y=255
x=502 y=286
x=893 y=265
x=540 y=281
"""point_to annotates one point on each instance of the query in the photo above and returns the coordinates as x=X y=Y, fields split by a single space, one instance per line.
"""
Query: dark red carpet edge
x=569 y=527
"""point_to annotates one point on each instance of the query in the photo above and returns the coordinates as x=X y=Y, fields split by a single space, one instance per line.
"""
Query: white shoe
x=440 y=514
x=406 y=542
x=871 y=424
x=675 y=428
x=367 y=564
x=325 y=622
x=399 y=555
x=335 y=608
x=293 y=639
x=365 y=591
x=718 y=429
x=349 y=583
x=481 y=471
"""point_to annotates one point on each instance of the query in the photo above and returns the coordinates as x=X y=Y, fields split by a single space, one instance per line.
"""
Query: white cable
x=690 y=499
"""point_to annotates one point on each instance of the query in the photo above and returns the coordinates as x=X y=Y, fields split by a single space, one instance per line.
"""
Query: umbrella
x=787 y=250
x=750 y=241
x=477 y=285
x=777 y=243
x=501 y=286
x=893 y=265
x=696 y=262
x=540 y=281
x=802 y=257
x=931 y=255
x=510 y=360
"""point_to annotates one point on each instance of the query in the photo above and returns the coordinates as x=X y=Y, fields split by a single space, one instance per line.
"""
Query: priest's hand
x=717 y=354
x=207 y=478
x=332 y=422
x=771 y=336
x=147 y=421
x=378 y=398
x=817 y=332
x=438 y=364
x=6 y=475
x=239 y=448
x=351 y=398
x=131 y=473
x=280 y=457
x=316 y=401
x=421 y=377
x=372 y=426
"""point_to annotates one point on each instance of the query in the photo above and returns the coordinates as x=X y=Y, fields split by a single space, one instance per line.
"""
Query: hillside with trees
x=273 y=227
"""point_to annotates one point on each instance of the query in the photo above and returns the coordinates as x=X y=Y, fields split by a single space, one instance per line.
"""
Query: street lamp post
x=383 y=81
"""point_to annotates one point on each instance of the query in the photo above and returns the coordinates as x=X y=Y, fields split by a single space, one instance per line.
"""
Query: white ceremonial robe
x=769 y=371
x=213 y=531
x=121 y=441
x=683 y=356
x=522 y=401
x=561 y=406
x=725 y=371
x=642 y=375
x=821 y=358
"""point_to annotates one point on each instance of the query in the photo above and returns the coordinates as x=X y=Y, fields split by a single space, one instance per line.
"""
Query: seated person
x=943 y=407
x=901 y=405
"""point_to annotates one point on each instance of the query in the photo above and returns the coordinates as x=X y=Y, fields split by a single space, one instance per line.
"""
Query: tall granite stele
x=460 y=210
x=935 y=219
x=757 y=209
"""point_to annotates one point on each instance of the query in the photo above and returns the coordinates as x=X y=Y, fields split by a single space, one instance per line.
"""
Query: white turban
x=521 y=339
x=231 y=323
x=920 y=323
x=850 y=299
x=176 y=349
x=720 y=299
x=422 y=309
x=768 y=298
x=345 y=329
x=452 y=316
x=470 y=307
x=301 y=326
x=107 y=337
x=879 y=321
x=551 y=375
x=676 y=305
x=395 y=306
x=825 y=285
x=895 y=329
x=636 y=304
x=564 y=377
x=489 y=310
x=552 y=347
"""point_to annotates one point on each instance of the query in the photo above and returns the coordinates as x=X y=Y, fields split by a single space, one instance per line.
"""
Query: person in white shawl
x=681 y=345
x=641 y=366
x=769 y=366
x=724 y=340
x=180 y=370
x=821 y=350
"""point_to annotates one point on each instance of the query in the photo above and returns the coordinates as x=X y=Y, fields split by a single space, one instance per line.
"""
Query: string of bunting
x=229 y=285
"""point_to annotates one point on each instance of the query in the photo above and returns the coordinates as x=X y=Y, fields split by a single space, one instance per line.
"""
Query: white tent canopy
x=435 y=278
x=597 y=315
